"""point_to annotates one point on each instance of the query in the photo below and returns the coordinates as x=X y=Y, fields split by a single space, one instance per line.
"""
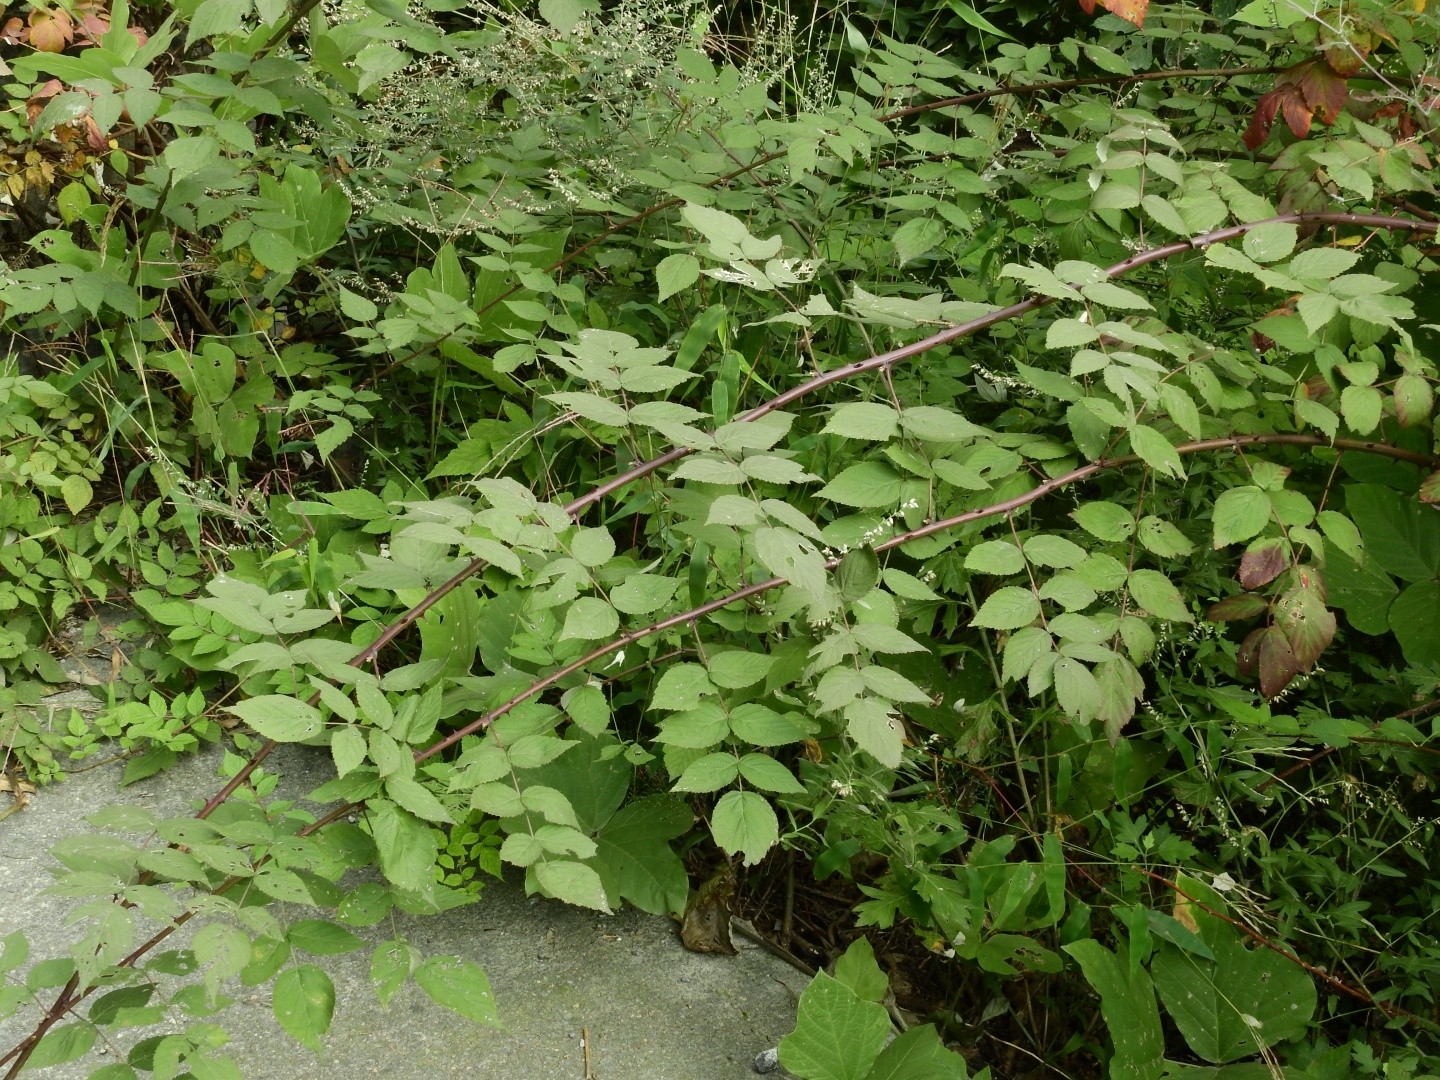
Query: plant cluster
x=1004 y=476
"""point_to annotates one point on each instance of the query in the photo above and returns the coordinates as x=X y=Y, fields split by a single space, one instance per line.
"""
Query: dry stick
x=881 y=361
x=1359 y=993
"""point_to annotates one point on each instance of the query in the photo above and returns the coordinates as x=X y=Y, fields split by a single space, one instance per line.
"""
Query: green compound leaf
x=304 y=1003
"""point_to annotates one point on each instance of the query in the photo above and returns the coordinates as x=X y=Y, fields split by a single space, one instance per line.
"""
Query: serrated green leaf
x=676 y=273
x=744 y=823
x=1240 y=514
x=460 y=986
x=1008 y=608
x=304 y=1003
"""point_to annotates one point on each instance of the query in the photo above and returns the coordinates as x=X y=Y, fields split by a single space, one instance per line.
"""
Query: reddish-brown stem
x=1084 y=472
x=881 y=361
x=1358 y=993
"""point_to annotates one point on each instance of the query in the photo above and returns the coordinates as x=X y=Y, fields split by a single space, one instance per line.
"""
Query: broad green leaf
x=1023 y=649
x=1155 y=592
x=1076 y=689
x=280 y=717
x=837 y=1035
x=676 y=273
x=788 y=555
x=857 y=574
x=1240 y=513
x=872 y=420
x=1161 y=538
x=640 y=594
x=709 y=773
x=391 y=963
x=1270 y=242
x=744 y=823
x=681 y=686
x=1415 y=618
x=63 y=1044
x=917 y=236
x=857 y=969
x=417 y=798
x=635 y=859
x=1127 y=1002
x=999 y=557
x=1105 y=521
x=1156 y=451
x=589 y=619
x=1055 y=551
x=589 y=707
x=321 y=937
x=406 y=846
x=1402 y=535
x=767 y=774
x=304 y=1002
x=1008 y=608
x=76 y=491
x=738 y=668
x=918 y=1054
x=871 y=723
x=1237 y=1005
x=347 y=748
x=460 y=986
x=1361 y=406
x=868 y=484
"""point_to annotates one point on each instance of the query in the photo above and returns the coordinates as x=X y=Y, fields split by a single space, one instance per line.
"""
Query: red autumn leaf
x=1308 y=625
x=1297 y=111
x=1307 y=90
x=1237 y=607
x=1247 y=657
x=1278 y=664
x=1430 y=488
x=51 y=31
x=1325 y=90
x=1259 y=129
x=1263 y=563
x=14 y=32
x=1130 y=10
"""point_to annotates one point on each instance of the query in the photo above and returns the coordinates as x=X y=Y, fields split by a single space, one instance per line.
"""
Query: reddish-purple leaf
x=1278 y=664
x=1238 y=607
x=1263 y=563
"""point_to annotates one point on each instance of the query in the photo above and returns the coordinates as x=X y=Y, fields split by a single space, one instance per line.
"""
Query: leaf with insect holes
x=1301 y=613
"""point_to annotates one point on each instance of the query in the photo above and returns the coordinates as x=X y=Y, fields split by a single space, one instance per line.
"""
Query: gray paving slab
x=651 y=1009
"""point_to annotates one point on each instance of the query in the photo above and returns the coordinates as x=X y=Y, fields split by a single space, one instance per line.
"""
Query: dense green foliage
x=993 y=459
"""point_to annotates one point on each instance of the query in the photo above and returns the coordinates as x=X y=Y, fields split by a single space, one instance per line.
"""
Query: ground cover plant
x=978 y=463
